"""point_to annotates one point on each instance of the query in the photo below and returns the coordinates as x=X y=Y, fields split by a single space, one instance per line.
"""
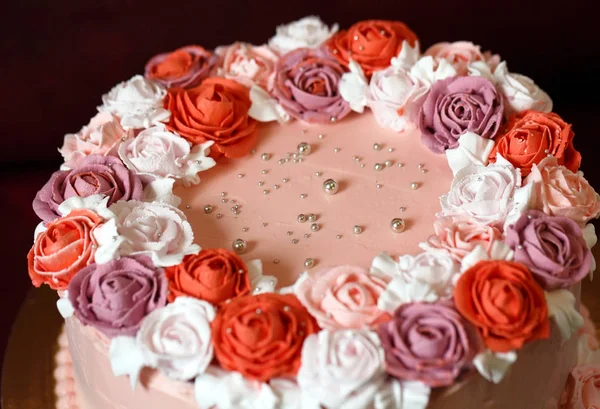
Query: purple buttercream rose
x=456 y=105
x=306 y=86
x=116 y=296
x=552 y=247
x=96 y=174
x=430 y=343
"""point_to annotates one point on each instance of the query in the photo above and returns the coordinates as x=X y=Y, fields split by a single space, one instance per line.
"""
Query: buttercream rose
x=371 y=43
x=520 y=92
x=158 y=230
x=138 y=102
x=162 y=154
x=116 y=296
x=342 y=297
x=531 y=136
x=456 y=105
x=487 y=194
x=214 y=275
x=306 y=86
x=101 y=136
x=261 y=336
x=459 y=53
x=308 y=32
x=64 y=248
x=96 y=174
x=341 y=366
x=185 y=67
x=247 y=64
x=583 y=388
x=552 y=247
x=561 y=192
x=503 y=300
x=216 y=110
x=460 y=235
x=430 y=343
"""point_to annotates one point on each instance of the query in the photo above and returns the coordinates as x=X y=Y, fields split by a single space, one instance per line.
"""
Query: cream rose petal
x=353 y=87
x=561 y=307
x=493 y=366
x=265 y=108
x=407 y=57
x=472 y=150
x=260 y=283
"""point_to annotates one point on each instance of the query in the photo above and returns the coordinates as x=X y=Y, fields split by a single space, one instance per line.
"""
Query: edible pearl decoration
x=377 y=146
x=304 y=148
x=378 y=166
x=265 y=156
x=312 y=217
x=208 y=209
x=330 y=187
x=301 y=218
x=388 y=163
x=303 y=196
x=314 y=227
x=239 y=246
x=357 y=229
x=309 y=263
x=398 y=225
x=414 y=185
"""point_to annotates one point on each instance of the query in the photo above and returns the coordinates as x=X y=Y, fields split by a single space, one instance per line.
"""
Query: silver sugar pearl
x=414 y=185
x=301 y=218
x=258 y=311
x=285 y=180
x=338 y=236
x=362 y=165
x=239 y=246
x=188 y=207
x=357 y=229
x=318 y=174
x=361 y=47
x=397 y=225
x=389 y=163
x=265 y=192
x=333 y=119
x=336 y=150
x=312 y=217
x=264 y=171
x=281 y=161
x=377 y=146
x=224 y=200
x=219 y=216
x=260 y=183
x=208 y=209
x=244 y=229
x=306 y=235
x=379 y=186
x=520 y=247
x=289 y=232
x=402 y=209
x=314 y=227
x=400 y=164
x=390 y=150
x=304 y=148
x=355 y=38
x=321 y=136
x=276 y=261
x=330 y=187
x=378 y=167
x=303 y=196
x=294 y=241
x=275 y=187
x=240 y=175
x=265 y=156
x=223 y=194
x=420 y=166
x=309 y=263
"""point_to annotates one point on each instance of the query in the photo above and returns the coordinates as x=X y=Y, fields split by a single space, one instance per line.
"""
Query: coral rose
x=503 y=300
x=371 y=43
x=531 y=136
x=216 y=110
x=459 y=53
x=63 y=249
x=261 y=336
x=213 y=275
x=185 y=67
x=582 y=390
x=248 y=64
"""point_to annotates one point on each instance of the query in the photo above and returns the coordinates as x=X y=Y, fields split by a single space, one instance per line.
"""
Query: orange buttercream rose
x=213 y=275
x=530 y=136
x=371 y=43
x=502 y=299
x=216 y=110
x=261 y=336
x=184 y=67
x=63 y=249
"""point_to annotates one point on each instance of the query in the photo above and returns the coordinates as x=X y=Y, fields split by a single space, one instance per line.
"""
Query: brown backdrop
x=58 y=57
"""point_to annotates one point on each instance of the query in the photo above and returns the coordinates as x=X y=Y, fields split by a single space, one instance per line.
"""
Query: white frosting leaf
x=402 y=395
x=96 y=203
x=353 y=87
x=407 y=57
x=260 y=283
x=64 y=306
x=472 y=150
x=126 y=358
x=265 y=108
x=109 y=242
x=561 y=307
x=493 y=366
x=499 y=251
x=161 y=190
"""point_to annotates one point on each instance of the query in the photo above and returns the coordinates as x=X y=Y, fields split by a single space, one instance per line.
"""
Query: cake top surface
x=365 y=215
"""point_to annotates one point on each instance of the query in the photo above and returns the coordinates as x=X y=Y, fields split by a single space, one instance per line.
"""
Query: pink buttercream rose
x=247 y=64
x=101 y=136
x=583 y=388
x=561 y=192
x=460 y=54
x=343 y=297
x=460 y=235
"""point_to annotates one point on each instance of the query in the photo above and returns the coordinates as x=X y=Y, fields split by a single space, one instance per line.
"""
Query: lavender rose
x=430 y=343
x=552 y=247
x=96 y=174
x=457 y=105
x=115 y=297
x=306 y=86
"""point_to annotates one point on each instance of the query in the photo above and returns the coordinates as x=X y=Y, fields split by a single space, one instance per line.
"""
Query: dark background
x=58 y=57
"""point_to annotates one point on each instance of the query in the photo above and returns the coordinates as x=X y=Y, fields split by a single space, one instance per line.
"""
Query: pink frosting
x=101 y=136
x=460 y=235
x=583 y=388
x=247 y=64
x=560 y=192
x=460 y=54
x=342 y=297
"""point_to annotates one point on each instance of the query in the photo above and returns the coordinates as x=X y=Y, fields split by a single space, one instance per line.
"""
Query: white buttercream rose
x=175 y=339
x=138 y=102
x=342 y=368
x=308 y=32
x=158 y=230
x=426 y=277
x=489 y=194
x=160 y=153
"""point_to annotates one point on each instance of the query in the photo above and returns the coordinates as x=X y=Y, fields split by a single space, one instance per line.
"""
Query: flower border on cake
x=511 y=241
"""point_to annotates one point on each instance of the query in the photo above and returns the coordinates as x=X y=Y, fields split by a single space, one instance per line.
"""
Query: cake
x=331 y=220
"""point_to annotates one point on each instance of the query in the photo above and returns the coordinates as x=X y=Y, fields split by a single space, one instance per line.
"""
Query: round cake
x=334 y=219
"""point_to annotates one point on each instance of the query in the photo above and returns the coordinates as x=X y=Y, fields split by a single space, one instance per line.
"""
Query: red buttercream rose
x=503 y=300
x=63 y=249
x=216 y=110
x=213 y=275
x=530 y=136
x=371 y=43
x=261 y=336
x=184 y=67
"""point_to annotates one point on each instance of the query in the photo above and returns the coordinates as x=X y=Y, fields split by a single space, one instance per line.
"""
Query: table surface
x=27 y=380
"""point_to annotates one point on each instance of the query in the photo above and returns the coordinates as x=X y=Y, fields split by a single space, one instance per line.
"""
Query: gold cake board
x=28 y=373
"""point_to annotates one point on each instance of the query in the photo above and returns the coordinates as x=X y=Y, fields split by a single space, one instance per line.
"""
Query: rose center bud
x=353 y=295
x=506 y=303
x=175 y=65
x=63 y=237
x=179 y=339
x=427 y=341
